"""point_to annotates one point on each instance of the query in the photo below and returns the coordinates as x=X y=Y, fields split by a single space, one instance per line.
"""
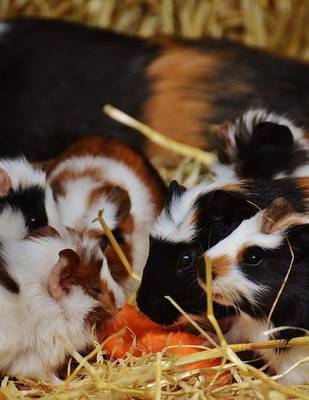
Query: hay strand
x=181 y=149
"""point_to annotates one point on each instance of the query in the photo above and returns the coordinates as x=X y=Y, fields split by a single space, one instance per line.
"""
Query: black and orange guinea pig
x=55 y=76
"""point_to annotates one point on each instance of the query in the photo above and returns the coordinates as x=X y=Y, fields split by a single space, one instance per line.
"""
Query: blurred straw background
x=280 y=25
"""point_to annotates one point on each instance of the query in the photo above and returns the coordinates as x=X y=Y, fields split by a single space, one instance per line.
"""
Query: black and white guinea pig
x=68 y=71
x=193 y=221
x=260 y=144
x=249 y=268
x=51 y=285
x=99 y=173
x=22 y=198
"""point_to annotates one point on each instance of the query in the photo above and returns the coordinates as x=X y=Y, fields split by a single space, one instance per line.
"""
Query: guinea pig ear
x=276 y=216
x=174 y=190
x=121 y=198
x=62 y=275
x=5 y=182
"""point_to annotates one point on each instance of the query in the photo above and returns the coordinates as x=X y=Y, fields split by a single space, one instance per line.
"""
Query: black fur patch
x=31 y=202
x=5 y=279
x=219 y=213
x=262 y=192
x=60 y=75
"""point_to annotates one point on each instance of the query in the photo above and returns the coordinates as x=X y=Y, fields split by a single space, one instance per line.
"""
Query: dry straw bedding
x=280 y=25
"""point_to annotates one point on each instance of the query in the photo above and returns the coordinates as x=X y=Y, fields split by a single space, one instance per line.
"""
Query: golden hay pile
x=280 y=25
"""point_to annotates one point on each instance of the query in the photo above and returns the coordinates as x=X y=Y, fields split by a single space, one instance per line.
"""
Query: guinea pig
x=99 y=173
x=22 y=198
x=50 y=285
x=55 y=76
x=193 y=221
x=262 y=145
x=249 y=268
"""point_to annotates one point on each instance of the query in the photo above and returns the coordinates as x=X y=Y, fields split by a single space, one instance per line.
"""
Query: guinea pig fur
x=99 y=173
x=22 y=198
x=249 y=268
x=262 y=145
x=193 y=221
x=50 y=285
x=178 y=87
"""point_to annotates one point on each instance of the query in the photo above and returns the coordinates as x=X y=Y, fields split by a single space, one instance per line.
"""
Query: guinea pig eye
x=186 y=260
x=254 y=257
x=31 y=222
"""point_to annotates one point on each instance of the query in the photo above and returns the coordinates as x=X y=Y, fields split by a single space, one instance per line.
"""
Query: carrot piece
x=130 y=317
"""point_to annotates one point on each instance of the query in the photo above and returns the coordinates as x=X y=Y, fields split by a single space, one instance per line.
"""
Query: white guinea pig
x=98 y=173
x=48 y=286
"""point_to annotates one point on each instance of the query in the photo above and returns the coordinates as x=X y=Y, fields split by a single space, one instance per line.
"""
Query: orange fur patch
x=179 y=104
x=233 y=187
x=221 y=265
x=276 y=216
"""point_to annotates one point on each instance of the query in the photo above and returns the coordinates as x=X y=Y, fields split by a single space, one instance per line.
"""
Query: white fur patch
x=175 y=224
x=12 y=223
x=22 y=173
x=248 y=233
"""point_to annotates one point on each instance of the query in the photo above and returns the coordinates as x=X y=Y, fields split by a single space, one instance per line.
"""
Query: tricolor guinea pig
x=98 y=173
x=22 y=198
x=49 y=286
x=250 y=267
x=193 y=221
x=68 y=71
x=262 y=145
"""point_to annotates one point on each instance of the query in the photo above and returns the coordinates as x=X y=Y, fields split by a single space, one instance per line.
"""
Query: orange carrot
x=145 y=336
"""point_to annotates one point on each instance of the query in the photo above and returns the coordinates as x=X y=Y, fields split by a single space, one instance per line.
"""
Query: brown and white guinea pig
x=68 y=71
x=99 y=173
x=22 y=198
x=50 y=285
x=193 y=221
x=262 y=145
x=249 y=268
